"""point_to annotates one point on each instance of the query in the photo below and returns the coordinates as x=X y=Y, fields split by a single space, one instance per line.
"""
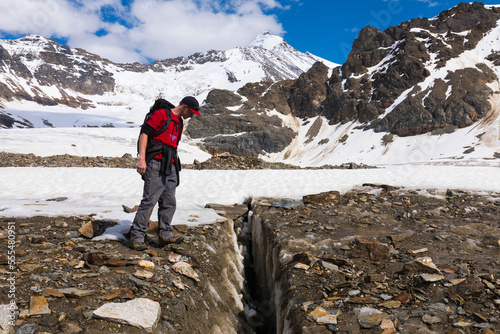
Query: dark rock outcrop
x=245 y=131
x=403 y=56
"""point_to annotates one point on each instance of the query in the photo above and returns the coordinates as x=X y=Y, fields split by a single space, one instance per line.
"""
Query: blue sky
x=147 y=30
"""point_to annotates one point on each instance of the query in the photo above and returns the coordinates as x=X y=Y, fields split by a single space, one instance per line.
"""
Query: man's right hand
x=141 y=166
x=143 y=143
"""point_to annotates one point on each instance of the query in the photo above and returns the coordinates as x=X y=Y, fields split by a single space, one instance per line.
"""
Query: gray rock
x=141 y=312
x=26 y=329
x=298 y=205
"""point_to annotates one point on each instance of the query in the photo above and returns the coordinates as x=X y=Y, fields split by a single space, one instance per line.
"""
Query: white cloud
x=147 y=29
x=430 y=3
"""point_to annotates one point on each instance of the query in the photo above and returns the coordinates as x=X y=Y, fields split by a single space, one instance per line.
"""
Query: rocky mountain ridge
x=426 y=90
x=40 y=70
x=424 y=75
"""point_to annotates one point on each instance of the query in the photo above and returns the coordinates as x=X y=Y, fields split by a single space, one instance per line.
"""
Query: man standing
x=159 y=166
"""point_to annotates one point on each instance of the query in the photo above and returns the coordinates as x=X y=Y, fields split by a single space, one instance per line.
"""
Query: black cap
x=192 y=103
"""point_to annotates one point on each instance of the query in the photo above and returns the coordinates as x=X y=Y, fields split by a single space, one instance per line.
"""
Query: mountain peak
x=267 y=41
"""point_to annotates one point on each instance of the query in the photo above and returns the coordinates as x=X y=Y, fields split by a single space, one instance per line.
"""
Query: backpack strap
x=165 y=126
x=181 y=127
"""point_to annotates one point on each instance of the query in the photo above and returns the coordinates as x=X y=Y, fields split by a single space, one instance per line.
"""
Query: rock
x=371 y=249
x=7 y=318
x=232 y=211
x=471 y=287
x=181 y=228
x=86 y=275
x=431 y=320
x=57 y=199
x=421 y=265
x=325 y=198
x=479 y=317
x=361 y=300
x=138 y=282
x=369 y=317
x=455 y=297
x=420 y=250
x=186 y=269
x=80 y=265
x=388 y=326
x=452 y=193
x=317 y=313
x=26 y=329
x=404 y=298
x=144 y=274
x=52 y=293
x=178 y=284
x=440 y=307
x=377 y=278
x=147 y=264
x=174 y=258
x=288 y=205
x=129 y=209
x=390 y=304
x=491 y=241
x=89 y=230
x=431 y=277
x=69 y=328
x=61 y=224
x=305 y=258
x=104 y=270
x=397 y=239
x=462 y=324
x=37 y=239
x=329 y=319
x=301 y=266
x=76 y=293
x=122 y=293
x=100 y=259
x=48 y=321
x=329 y=265
x=38 y=305
x=141 y=312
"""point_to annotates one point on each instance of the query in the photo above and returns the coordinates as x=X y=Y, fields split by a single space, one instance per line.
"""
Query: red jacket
x=171 y=136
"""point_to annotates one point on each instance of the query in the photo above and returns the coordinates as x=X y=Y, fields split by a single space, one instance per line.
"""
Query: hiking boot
x=171 y=240
x=138 y=246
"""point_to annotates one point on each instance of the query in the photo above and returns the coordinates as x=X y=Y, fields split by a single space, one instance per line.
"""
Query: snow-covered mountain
x=43 y=83
x=426 y=90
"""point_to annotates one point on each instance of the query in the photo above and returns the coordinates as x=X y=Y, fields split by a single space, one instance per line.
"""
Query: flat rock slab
x=140 y=312
x=76 y=293
x=39 y=305
x=232 y=211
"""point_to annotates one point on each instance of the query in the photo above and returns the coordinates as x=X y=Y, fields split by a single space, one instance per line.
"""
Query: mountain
x=427 y=89
x=43 y=83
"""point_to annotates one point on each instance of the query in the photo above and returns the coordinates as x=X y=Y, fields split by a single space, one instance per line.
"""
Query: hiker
x=159 y=166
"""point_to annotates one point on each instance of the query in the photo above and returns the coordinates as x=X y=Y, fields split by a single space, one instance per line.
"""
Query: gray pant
x=158 y=188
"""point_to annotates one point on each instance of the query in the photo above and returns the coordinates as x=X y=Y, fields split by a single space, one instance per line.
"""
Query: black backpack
x=159 y=104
